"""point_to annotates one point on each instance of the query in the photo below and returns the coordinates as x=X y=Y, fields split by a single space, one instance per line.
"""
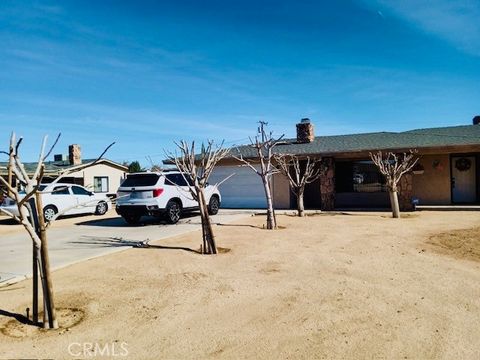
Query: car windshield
x=140 y=180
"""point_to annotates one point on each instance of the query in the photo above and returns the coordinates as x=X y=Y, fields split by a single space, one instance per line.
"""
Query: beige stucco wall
x=281 y=192
x=433 y=186
x=115 y=176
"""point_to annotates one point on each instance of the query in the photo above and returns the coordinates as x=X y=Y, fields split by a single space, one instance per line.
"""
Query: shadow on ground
x=19 y=317
x=8 y=221
x=89 y=241
x=144 y=221
x=239 y=225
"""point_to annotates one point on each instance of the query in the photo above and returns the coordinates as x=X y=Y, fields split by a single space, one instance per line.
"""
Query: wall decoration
x=437 y=165
x=463 y=164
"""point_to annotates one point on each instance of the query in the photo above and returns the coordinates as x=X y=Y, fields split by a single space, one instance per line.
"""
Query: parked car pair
x=66 y=199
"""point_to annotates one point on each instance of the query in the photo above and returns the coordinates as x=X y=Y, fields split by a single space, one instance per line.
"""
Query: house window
x=100 y=184
x=359 y=176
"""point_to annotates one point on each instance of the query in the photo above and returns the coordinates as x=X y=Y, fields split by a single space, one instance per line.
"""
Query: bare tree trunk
x=394 y=203
x=45 y=264
x=10 y=170
x=271 y=222
x=44 y=291
x=35 y=258
x=300 y=205
x=208 y=236
x=10 y=180
x=205 y=246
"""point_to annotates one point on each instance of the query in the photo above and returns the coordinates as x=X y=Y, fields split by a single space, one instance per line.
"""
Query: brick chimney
x=74 y=154
x=305 y=132
x=476 y=120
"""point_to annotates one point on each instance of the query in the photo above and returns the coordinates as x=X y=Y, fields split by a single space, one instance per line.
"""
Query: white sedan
x=66 y=199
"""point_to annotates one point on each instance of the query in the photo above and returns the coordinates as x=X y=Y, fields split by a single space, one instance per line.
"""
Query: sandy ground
x=75 y=239
x=328 y=286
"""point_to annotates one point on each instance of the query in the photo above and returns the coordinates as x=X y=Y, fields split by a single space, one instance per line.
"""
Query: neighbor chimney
x=59 y=157
x=305 y=131
x=476 y=120
x=74 y=154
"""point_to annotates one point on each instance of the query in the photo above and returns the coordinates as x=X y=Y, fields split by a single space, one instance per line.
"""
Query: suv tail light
x=157 y=192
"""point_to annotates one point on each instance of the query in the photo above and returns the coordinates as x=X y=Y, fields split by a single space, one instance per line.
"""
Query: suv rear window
x=140 y=180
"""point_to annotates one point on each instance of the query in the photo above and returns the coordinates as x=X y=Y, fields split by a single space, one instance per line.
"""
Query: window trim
x=101 y=185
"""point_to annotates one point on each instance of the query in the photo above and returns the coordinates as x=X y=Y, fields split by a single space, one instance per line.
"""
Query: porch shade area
x=359 y=184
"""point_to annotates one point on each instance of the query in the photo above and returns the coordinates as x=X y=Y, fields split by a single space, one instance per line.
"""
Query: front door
x=463 y=179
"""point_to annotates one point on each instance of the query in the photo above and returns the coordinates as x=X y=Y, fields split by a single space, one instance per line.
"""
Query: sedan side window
x=77 y=190
x=60 y=190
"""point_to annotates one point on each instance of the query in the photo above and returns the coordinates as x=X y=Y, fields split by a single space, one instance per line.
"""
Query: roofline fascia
x=421 y=149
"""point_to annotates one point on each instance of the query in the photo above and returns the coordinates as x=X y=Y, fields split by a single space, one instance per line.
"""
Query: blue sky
x=145 y=73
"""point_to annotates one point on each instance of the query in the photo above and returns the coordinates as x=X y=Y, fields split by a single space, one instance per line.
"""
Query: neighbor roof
x=413 y=139
x=55 y=167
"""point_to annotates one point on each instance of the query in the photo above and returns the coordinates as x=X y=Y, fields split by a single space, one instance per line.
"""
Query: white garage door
x=244 y=190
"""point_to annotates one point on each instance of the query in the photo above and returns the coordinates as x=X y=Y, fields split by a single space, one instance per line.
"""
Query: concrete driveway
x=71 y=240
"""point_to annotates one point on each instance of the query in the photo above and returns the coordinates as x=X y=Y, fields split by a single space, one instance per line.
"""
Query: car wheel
x=102 y=208
x=173 y=212
x=49 y=212
x=213 y=205
x=131 y=219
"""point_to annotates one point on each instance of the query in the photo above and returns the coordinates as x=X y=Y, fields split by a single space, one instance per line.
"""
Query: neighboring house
x=448 y=170
x=103 y=177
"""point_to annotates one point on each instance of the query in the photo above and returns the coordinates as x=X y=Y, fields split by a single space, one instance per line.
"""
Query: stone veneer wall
x=327 y=184
x=405 y=192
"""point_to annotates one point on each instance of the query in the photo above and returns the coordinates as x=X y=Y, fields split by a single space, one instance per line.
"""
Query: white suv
x=160 y=194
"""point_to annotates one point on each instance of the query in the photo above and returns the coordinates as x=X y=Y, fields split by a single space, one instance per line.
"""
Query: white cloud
x=456 y=21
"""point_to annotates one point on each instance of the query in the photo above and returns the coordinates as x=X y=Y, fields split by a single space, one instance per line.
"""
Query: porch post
x=405 y=192
x=327 y=185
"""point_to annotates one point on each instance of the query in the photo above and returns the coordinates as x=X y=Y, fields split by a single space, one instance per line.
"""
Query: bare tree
x=30 y=215
x=393 y=166
x=196 y=170
x=264 y=143
x=154 y=167
x=304 y=172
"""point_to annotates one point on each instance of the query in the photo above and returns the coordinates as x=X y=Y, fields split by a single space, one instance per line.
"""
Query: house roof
x=337 y=144
x=55 y=167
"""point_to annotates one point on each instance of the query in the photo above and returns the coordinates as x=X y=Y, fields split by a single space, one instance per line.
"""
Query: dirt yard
x=358 y=285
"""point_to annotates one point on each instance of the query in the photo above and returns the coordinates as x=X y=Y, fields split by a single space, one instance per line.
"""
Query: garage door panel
x=243 y=202
x=242 y=190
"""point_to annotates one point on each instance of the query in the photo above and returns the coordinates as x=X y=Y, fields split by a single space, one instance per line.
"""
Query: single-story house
x=103 y=177
x=448 y=171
